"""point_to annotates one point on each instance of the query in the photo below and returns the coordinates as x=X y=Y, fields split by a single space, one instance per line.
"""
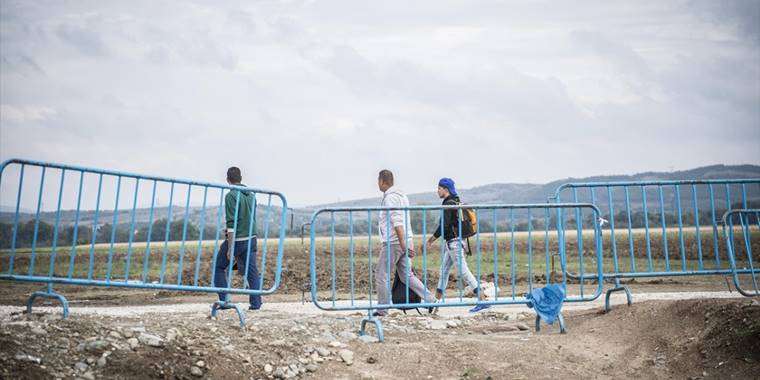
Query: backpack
x=398 y=294
x=469 y=222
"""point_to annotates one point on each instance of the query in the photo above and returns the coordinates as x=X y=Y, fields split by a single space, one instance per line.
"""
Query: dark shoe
x=254 y=308
x=379 y=314
x=433 y=310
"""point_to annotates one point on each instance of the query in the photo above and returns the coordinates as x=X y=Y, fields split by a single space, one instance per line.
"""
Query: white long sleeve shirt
x=394 y=197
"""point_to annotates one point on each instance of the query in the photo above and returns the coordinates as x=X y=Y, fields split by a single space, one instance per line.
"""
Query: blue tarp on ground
x=547 y=301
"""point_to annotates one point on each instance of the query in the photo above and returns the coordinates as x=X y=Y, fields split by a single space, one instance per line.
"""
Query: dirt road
x=663 y=335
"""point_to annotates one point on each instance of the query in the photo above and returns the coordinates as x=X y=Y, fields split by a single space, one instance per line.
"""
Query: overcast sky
x=313 y=98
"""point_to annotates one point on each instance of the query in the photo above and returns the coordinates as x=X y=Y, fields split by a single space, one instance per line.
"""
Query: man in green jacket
x=240 y=211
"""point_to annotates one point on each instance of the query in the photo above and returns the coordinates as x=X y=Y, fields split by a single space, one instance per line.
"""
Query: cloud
x=83 y=38
x=25 y=114
x=742 y=16
x=312 y=98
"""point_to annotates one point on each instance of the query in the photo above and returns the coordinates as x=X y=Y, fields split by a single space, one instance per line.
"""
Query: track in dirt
x=709 y=338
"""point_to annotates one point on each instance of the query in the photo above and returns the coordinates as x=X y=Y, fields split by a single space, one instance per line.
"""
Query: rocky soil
x=694 y=339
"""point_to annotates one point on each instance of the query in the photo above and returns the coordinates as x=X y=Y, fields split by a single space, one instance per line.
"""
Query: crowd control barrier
x=665 y=228
x=125 y=230
x=513 y=251
x=738 y=227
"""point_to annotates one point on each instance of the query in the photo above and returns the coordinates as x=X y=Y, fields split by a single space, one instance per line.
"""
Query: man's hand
x=430 y=241
x=402 y=240
x=230 y=244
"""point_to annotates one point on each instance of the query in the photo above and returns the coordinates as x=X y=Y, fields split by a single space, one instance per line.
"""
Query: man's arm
x=397 y=221
x=230 y=203
x=230 y=243
x=448 y=215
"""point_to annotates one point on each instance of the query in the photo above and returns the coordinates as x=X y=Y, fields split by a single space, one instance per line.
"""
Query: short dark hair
x=233 y=175
x=386 y=176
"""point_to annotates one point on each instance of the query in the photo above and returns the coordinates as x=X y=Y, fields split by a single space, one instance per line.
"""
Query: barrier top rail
x=651 y=183
x=119 y=173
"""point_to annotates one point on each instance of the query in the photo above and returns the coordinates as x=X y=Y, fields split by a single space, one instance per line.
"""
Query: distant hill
x=537 y=193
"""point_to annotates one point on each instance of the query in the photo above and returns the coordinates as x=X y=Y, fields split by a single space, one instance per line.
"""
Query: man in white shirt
x=395 y=231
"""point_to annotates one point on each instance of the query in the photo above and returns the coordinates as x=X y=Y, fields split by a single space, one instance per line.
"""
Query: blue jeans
x=222 y=263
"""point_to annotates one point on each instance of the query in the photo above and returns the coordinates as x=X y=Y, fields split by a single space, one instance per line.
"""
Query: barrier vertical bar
x=131 y=231
x=54 y=248
x=332 y=254
x=664 y=229
x=728 y=206
x=95 y=228
x=530 y=251
x=75 y=234
x=547 y=253
x=461 y=254
x=715 y=227
x=369 y=258
x=180 y=265
x=512 y=266
x=201 y=231
x=424 y=249
x=351 y=252
x=15 y=220
x=406 y=253
x=113 y=230
x=495 y=258
x=234 y=238
x=748 y=245
x=216 y=253
x=149 y=236
x=696 y=224
x=630 y=229
x=388 y=252
x=166 y=233
x=646 y=228
x=680 y=228
x=37 y=223
x=443 y=252
x=612 y=235
x=561 y=242
x=477 y=244
x=266 y=239
x=579 y=236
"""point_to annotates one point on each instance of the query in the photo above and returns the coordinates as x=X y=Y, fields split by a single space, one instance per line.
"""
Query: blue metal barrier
x=749 y=224
x=87 y=238
x=686 y=207
x=502 y=251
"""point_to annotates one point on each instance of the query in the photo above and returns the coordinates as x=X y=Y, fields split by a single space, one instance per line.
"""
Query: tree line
x=106 y=233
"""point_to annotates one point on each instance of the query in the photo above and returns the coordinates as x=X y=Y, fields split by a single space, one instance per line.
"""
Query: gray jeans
x=403 y=266
x=453 y=258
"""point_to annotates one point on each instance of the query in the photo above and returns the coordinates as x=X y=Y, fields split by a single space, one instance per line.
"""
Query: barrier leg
x=561 y=324
x=617 y=288
x=378 y=326
x=224 y=305
x=48 y=294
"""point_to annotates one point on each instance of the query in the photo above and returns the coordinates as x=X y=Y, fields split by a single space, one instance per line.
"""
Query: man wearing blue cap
x=453 y=248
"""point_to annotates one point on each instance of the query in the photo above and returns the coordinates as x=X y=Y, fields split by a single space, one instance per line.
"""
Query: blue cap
x=448 y=183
